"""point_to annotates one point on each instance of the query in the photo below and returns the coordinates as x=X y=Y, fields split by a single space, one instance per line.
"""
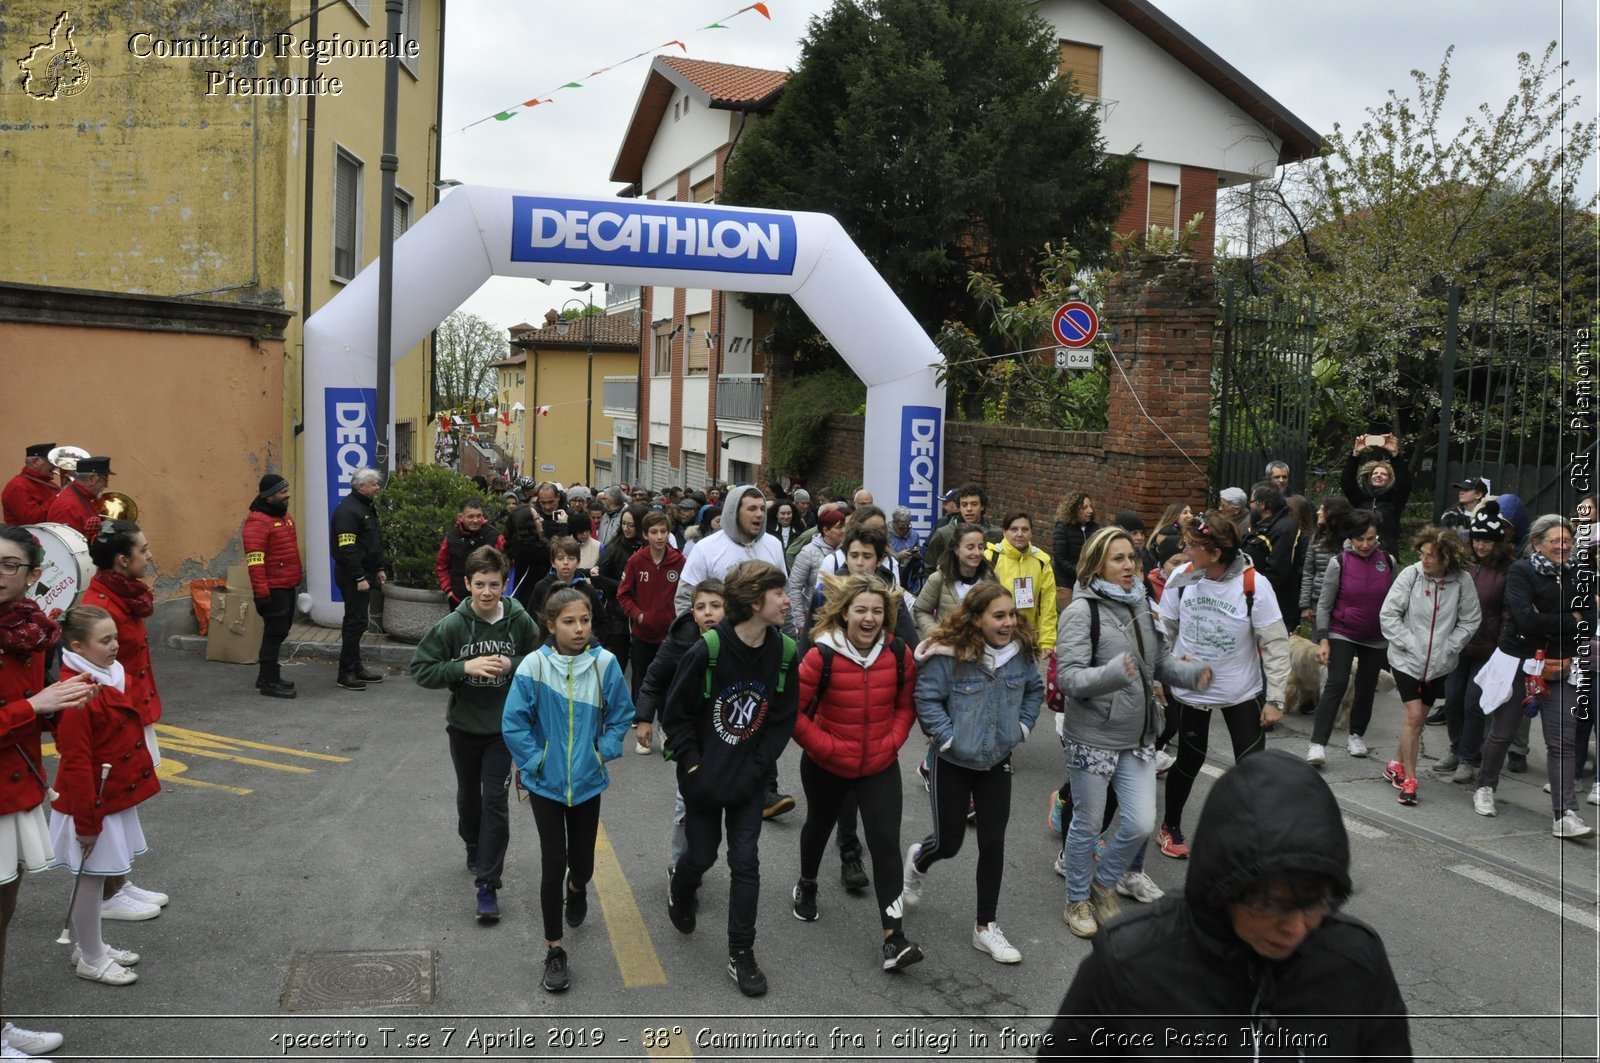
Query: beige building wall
x=190 y=456
x=555 y=378
x=131 y=178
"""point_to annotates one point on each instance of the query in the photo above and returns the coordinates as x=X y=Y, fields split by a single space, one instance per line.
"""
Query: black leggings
x=1368 y=661
x=950 y=786
x=1194 y=733
x=566 y=845
x=879 y=799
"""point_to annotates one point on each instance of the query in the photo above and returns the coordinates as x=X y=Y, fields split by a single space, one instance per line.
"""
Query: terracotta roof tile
x=726 y=83
x=616 y=331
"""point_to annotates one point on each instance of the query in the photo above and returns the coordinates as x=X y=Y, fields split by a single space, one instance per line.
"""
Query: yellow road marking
x=183 y=734
x=170 y=770
x=195 y=750
x=630 y=939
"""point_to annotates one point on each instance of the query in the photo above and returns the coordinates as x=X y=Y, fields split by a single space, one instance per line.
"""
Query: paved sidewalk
x=308 y=641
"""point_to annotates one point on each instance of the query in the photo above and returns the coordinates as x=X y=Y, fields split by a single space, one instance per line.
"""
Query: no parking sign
x=1075 y=324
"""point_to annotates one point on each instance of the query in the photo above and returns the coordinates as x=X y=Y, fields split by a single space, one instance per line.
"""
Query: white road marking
x=1211 y=770
x=1366 y=830
x=1583 y=915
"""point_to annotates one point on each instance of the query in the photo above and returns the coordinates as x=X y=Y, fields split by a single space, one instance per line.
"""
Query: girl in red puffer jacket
x=856 y=687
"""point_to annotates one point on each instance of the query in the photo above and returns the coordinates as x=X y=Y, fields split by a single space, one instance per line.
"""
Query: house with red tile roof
x=1192 y=122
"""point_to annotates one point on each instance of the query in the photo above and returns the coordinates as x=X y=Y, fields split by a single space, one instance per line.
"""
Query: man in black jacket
x=357 y=567
x=1274 y=544
x=1253 y=958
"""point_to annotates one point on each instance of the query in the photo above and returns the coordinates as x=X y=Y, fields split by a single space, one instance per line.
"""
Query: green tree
x=1399 y=210
x=465 y=346
x=940 y=137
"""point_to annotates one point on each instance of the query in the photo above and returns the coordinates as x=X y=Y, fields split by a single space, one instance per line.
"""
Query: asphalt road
x=290 y=832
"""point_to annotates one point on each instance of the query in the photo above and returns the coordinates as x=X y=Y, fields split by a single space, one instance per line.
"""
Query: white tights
x=86 y=919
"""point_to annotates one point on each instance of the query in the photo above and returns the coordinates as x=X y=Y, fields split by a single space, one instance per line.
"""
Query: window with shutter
x=402 y=213
x=1081 y=63
x=705 y=191
x=661 y=355
x=411 y=25
x=697 y=346
x=346 y=215
x=1163 y=206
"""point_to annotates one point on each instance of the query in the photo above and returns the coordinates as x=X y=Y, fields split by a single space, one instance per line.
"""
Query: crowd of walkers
x=719 y=626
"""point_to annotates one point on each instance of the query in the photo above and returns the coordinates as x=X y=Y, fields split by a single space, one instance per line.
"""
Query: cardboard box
x=239 y=579
x=236 y=627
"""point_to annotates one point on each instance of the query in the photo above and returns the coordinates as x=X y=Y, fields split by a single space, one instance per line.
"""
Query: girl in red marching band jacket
x=122 y=555
x=26 y=705
x=106 y=772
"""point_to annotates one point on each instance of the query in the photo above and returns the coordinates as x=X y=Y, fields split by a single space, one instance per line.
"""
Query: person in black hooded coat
x=1252 y=959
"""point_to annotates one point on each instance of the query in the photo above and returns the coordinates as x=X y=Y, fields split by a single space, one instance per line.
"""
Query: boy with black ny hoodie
x=727 y=717
x=474 y=651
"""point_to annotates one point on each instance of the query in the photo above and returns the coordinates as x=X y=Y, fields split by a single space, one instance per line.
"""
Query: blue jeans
x=678 y=847
x=1135 y=784
x=1464 y=718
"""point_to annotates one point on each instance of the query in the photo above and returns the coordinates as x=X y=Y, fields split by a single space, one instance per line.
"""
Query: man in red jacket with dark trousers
x=27 y=497
x=272 y=557
x=471 y=531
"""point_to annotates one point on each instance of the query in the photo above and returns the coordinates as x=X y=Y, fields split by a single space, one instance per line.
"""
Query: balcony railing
x=739 y=397
x=620 y=393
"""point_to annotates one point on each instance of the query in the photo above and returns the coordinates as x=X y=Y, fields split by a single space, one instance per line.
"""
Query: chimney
x=550 y=318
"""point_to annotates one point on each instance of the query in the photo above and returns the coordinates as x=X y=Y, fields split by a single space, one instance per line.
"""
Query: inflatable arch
x=476 y=233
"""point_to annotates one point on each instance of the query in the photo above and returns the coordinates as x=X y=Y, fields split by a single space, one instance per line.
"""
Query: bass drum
x=67 y=569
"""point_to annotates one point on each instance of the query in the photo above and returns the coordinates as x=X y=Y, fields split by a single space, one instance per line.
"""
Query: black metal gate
x=1506 y=385
x=1262 y=389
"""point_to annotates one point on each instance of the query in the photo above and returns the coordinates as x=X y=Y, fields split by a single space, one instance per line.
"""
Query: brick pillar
x=1160 y=315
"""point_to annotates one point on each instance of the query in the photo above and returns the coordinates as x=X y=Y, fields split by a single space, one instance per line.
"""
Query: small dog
x=1306 y=678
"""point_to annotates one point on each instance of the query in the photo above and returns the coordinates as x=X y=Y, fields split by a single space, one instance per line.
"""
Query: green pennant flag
x=714 y=26
x=572 y=85
x=504 y=116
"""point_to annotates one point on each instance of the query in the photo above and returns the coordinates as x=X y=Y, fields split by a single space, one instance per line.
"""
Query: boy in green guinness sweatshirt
x=474 y=652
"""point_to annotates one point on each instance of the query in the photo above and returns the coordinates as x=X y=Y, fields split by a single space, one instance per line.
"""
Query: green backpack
x=714 y=643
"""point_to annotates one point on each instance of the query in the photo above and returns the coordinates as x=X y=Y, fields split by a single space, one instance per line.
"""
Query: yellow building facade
x=552 y=371
x=161 y=149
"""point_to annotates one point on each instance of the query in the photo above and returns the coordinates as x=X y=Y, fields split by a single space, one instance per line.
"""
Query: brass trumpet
x=114 y=505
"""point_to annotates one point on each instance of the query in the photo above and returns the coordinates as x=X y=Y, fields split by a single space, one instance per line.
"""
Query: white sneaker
x=1357 y=747
x=1164 y=761
x=124 y=908
x=28 y=1042
x=1571 y=825
x=642 y=749
x=1483 y=801
x=912 y=881
x=1594 y=793
x=989 y=939
x=7 y=1052
x=107 y=971
x=160 y=900
x=1140 y=886
x=1317 y=754
x=123 y=956
x=1061 y=863
x=1546 y=787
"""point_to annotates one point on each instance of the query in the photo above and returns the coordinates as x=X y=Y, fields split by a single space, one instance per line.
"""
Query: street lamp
x=562 y=325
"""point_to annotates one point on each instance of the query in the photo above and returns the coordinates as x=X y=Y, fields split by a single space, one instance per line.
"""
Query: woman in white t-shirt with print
x=1220 y=611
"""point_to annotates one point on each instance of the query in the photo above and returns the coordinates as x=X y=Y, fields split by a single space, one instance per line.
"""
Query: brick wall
x=1164 y=311
x=1197 y=194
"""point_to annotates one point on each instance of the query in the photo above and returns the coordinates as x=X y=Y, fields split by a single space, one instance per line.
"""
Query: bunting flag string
x=481 y=416
x=549 y=95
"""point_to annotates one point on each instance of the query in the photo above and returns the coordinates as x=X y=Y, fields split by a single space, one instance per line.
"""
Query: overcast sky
x=1325 y=63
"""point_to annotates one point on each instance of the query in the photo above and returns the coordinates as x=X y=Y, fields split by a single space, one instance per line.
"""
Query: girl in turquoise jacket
x=565 y=716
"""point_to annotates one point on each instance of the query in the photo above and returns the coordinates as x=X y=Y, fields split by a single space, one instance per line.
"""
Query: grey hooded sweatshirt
x=718 y=552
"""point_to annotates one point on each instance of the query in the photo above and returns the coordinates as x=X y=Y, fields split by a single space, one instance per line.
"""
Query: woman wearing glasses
x=1223 y=613
x=26 y=639
x=1255 y=959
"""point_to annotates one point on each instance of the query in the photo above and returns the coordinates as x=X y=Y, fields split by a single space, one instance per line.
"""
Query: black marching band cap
x=91 y=466
x=40 y=450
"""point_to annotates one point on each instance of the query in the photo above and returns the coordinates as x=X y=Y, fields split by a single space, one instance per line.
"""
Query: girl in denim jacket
x=978 y=694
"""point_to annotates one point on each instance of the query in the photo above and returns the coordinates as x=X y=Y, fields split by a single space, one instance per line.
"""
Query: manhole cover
x=329 y=981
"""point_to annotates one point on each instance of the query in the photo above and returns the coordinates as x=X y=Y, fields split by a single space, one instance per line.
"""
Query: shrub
x=416 y=510
x=800 y=417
